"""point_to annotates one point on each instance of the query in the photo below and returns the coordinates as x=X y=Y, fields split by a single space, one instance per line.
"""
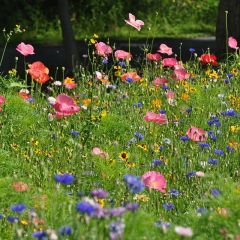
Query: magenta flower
x=169 y=62
x=99 y=152
x=232 y=43
x=159 y=81
x=157 y=118
x=197 y=134
x=134 y=23
x=181 y=74
x=163 y=48
x=155 y=180
x=25 y=49
x=184 y=231
x=65 y=106
x=103 y=49
x=120 y=54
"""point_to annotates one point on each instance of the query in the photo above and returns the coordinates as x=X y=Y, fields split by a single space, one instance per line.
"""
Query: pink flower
x=200 y=174
x=25 y=49
x=159 y=81
x=103 y=49
x=2 y=100
x=120 y=54
x=134 y=23
x=98 y=151
x=65 y=106
x=170 y=94
x=157 y=118
x=163 y=48
x=154 y=56
x=184 y=231
x=155 y=180
x=99 y=75
x=232 y=43
x=169 y=62
x=197 y=134
x=181 y=74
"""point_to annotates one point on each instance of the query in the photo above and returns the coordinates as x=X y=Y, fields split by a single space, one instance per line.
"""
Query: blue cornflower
x=212 y=135
x=230 y=75
x=12 y=219
x=116 y=230
x=105 y=61
x=134 y=183
x=74 y=133
x=162 y=111
x=99 y=193
x=1 y=216
x=20 y=207
x=204 y=145
x=230 y=149
x=226 y=80
x=188 y=110
x=215 y=192
x=40 y=235
x=128 y=79
x=65 y=178
x=161 y=148
x=157 y=162
x=162 y=224
x=184 y=138
x=174 y=192
x=213 y=161
x=168 y=206
x=138 y=105
x=132 y=207
x=164 y=87
x=191 y=174
x=219 y=152
x=122 y=64
x=201 y=210
x=230 y=112
x=191 y=50
x=65 y=230
x=139 y=135
x=30 y=100
x=85 y=208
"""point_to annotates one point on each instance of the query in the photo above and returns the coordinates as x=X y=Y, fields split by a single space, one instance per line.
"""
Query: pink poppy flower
x=98 y=151
x=169 y=62
x=159 y=81
x=232 y=43
x=103 y=49
x=65 y=106
x=20 y=186
x=134 y=23
x=197 y=134
x=25 y=49
x=170 y=94
x=39 y=72
x=181 y=74
x=2 y=100
x=155 y=180
x=163 y=48
x=120 y=54
x=157 y=118
x=99 y=75
x=131 y=75
x=154 y=56
x=184 y=231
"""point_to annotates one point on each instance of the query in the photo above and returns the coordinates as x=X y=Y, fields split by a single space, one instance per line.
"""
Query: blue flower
x=168 y=206
x=230 y=112
x=116 y=230
x=18 y=207
x=219 y=152
x=12 y=219
x=184 y=138
x=212 y=135
x=65 y=178
x=201 y=210
x=74 y=133
x=128 y=79
x=157 y=162
x=161 y=148
x=230 y=149
x=188 y=110
x=215 y=192
x=204 y=145
x=1 y=216
x=230 y=75
x=138 y=105
x=174 y=192
x=122 y=64
x=191 y=174
x=139 y=135
x=105 y=61
x=40 y=235
x=191 y=50
x=99 y=193
x=162 y=111
x=164 y=87
x=85 y=208
x=134 y=183
x=162 y=224
x=213 y=161
x=66 y=230
x=132 y=207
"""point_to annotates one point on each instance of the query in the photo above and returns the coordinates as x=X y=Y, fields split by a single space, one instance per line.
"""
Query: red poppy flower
x=39 y=72
x=209 y=59
x=20 y=186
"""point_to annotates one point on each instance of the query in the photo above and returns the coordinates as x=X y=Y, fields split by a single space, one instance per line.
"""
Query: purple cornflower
x=134 y=183
x=65 y=178
x=157 y=162
x=174 y=192
x=230 y=112
x=85 y=208
x=114 y=212
x=213 y=161
x=116 y=230
x=99 y=193
x=133 y=207
x=162 y=111
x=168 y=206
x=215 y=192
x=139 y=136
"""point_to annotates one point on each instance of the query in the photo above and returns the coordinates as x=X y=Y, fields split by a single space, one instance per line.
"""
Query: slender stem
x=226 y=15
x=4 y=50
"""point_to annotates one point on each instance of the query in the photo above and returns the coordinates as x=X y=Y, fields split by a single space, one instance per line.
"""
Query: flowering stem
x=4 y=50
x=226 y=15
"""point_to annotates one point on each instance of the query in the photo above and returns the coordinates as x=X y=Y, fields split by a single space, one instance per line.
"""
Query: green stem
x=226 y=15
x=4 y=50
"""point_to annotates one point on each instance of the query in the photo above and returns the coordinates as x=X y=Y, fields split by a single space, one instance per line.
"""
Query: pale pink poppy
x=103 y=49
x=184 y=231
x=120 y=54
x=159 y=81
x=200 y=174
x=65 y=106
x=25 y=49
x=197 y=134
x=98 y=151
x=170 y=94
x=169 y=62
x=154 y=56
x=70 y=86
x=232 y=43
x=134 y=23
x=157 y=118
x=2 y=100
x=181 y=74
x=155 y=180
x=99 y=75
x=20 y=186
x=163 y=48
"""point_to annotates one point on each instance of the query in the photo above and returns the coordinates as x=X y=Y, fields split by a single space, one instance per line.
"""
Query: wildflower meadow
x=122 y=148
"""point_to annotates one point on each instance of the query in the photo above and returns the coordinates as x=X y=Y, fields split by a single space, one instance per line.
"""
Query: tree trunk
x=233 y=8
x=70 y=48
